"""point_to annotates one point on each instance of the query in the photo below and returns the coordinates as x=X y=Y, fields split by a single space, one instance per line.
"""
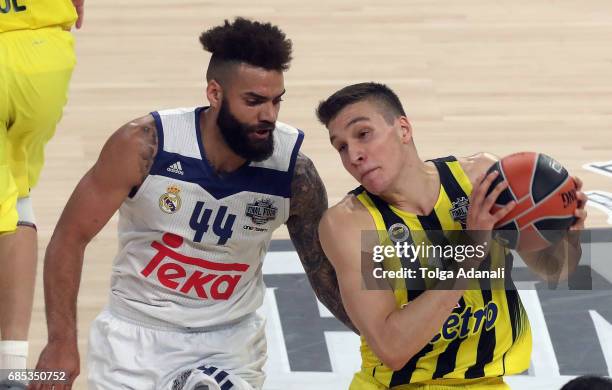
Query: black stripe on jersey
x=515 y=309
x=512 y=297
x=509 y=265
x=357 y=190
x=447 y=360
x=518 y=317
x=404 y=375
x=448 y=180
x=433 y=229
x=417 y=285
x=516 y=313
x=454 y=192
x=487 y=341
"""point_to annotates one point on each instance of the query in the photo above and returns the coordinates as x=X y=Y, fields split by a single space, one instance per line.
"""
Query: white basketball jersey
x=191 y=243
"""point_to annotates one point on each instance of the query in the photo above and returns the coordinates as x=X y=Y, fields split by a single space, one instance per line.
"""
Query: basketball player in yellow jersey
x=36 y=62
x=414 y=338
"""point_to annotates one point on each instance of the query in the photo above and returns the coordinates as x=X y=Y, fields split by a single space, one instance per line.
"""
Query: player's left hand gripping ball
x=580 y=212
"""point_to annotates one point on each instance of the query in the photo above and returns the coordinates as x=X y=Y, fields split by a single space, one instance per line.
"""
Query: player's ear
x=214 y=93
x=405 y=129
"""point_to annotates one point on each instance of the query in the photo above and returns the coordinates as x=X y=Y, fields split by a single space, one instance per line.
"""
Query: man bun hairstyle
x=255 y=43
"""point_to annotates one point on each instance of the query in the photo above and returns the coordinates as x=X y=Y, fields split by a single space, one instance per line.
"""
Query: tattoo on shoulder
x=307 y=189
x=308 y=203
x=148 y=149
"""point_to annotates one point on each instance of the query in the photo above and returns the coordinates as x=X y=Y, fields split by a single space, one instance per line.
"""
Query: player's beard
x=236 y=135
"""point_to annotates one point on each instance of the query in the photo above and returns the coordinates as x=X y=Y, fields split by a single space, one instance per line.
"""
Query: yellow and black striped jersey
x=487 y=334
x=35 y=14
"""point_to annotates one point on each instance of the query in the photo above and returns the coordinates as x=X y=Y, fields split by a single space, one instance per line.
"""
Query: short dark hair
x=379 y=93
x=588 y=382
x=245 y=41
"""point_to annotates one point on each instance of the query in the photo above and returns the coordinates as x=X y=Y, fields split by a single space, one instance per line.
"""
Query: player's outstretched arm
x=123 y=164
x=308 y=203
x=395 y=335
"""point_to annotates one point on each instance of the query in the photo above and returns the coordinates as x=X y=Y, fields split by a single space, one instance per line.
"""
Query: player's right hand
x=580 y=212
x=480 y=216
x=58 y=356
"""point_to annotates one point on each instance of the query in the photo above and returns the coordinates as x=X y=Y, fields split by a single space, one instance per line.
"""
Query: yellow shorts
x=35 y=69
x=364 y=381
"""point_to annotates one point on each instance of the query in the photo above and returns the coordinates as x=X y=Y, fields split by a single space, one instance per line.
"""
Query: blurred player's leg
x=17 y=279
x=36 y=72
x=8 y=212
x=8 y=193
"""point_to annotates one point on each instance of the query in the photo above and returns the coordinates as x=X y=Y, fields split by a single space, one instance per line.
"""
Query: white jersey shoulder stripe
x=179 y=134
x=285 y=139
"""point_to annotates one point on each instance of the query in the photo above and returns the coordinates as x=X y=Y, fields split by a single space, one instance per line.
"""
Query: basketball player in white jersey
x=199 y=193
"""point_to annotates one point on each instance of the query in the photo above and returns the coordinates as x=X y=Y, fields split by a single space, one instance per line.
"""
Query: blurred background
x=473 y=76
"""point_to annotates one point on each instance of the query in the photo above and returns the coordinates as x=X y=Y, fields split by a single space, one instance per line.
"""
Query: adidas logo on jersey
x=176 y=168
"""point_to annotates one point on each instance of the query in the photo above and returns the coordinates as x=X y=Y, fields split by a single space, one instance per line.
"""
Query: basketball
x=545 y=196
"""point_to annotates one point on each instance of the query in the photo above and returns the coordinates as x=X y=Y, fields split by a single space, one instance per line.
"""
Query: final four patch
x=170 y=202
x=261 y=211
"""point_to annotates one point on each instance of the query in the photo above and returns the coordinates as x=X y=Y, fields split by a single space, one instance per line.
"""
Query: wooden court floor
x=474 y=76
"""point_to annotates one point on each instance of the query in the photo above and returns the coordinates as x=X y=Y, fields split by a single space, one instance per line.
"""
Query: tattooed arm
x=308 y=203
x=123 y=164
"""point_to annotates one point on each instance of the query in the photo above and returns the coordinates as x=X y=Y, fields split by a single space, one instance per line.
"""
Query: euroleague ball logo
x=568 y=197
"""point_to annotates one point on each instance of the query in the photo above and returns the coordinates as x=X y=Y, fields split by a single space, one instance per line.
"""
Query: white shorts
x=125 y=355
